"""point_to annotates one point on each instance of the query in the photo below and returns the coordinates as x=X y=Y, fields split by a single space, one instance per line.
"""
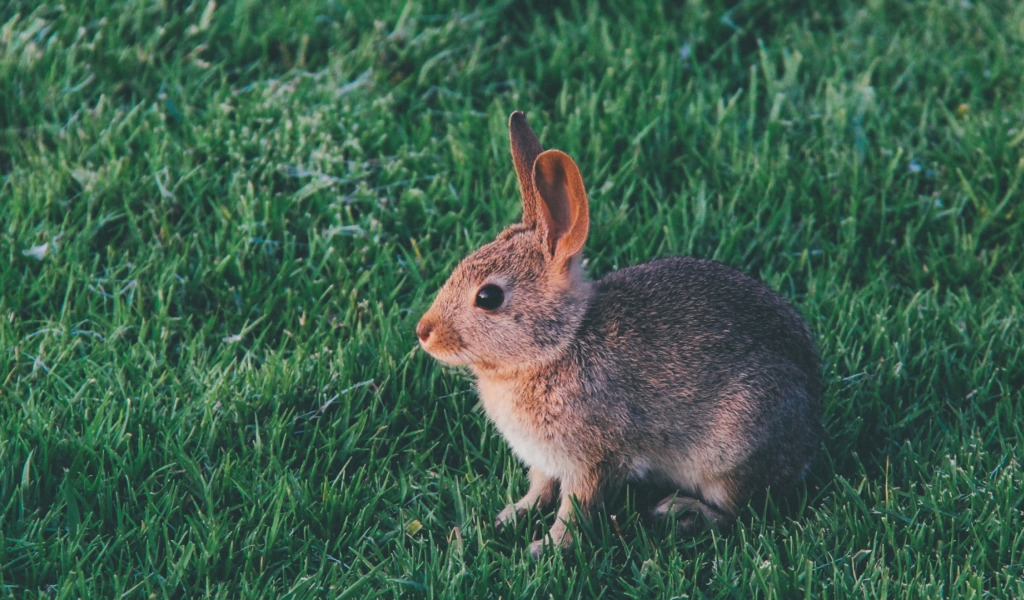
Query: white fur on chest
x=536 y=448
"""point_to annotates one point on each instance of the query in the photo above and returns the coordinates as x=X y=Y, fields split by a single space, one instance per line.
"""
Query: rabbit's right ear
x=525 y=150
x=563 y=212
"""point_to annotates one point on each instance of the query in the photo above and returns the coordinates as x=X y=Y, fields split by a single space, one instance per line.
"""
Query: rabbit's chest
x=535 y=438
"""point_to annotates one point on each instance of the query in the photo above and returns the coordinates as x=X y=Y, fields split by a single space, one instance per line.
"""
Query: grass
x=219 y=223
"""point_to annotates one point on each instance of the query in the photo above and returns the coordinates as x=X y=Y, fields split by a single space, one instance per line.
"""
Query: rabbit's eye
x=490 y=297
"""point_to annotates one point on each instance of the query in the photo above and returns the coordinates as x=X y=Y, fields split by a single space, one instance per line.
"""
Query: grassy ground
x=219 y=223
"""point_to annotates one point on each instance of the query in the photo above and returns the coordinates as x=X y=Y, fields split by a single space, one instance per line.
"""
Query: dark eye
x=490 y=297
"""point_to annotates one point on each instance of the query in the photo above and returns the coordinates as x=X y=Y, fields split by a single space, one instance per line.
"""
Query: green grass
x=209 y=383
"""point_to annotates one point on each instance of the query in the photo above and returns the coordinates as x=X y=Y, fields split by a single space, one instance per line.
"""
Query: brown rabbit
x=681 y=371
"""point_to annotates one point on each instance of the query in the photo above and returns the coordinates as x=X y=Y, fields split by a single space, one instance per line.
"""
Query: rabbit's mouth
x=455 y=359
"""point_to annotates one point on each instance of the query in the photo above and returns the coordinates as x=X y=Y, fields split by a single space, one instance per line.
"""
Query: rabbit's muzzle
x=440 y=341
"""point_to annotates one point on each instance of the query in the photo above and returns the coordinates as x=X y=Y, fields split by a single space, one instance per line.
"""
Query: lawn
x=220 y=221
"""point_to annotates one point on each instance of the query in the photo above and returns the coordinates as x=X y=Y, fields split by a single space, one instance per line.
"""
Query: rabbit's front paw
x=506 y=516
x=558 y=537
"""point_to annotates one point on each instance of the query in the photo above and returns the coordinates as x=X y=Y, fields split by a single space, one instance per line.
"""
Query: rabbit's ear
x=525 y=149
x=562 y=210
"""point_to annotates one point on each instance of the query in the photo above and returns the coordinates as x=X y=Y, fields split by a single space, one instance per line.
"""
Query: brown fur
x=680 y=371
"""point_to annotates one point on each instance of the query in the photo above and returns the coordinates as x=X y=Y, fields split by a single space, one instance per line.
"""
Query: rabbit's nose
x=423 y=329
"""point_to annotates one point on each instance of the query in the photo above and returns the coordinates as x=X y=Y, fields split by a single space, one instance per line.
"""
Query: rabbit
x=681 y=371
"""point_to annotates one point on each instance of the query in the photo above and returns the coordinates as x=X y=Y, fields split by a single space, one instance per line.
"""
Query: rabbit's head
x=521 y=298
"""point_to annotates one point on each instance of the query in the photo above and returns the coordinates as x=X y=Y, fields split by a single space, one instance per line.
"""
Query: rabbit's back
x=703 y=311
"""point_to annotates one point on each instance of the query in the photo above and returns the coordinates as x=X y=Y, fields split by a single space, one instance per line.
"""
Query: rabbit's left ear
x=563 y=208
x=525 y=149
